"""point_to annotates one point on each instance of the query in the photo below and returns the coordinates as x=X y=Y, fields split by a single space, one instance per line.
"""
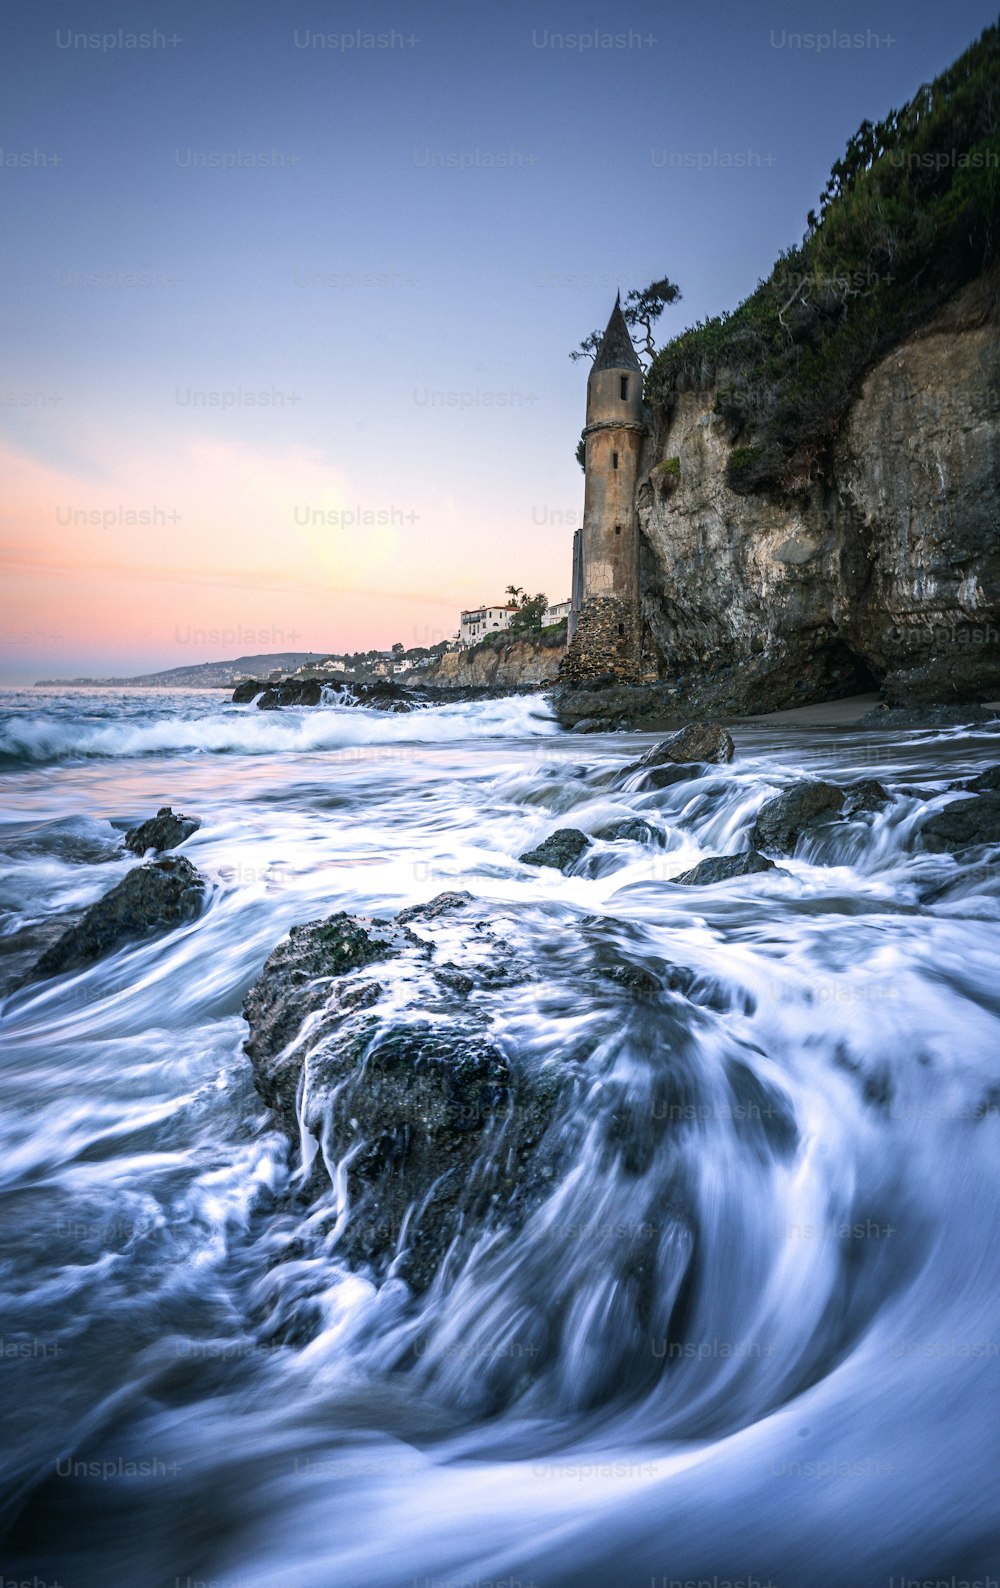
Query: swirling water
x=750 y=1333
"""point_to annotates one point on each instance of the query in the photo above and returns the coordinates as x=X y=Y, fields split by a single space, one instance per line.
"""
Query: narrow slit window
x=624 y=388
x=618 y=529
x=621 y=628
x=614 y=460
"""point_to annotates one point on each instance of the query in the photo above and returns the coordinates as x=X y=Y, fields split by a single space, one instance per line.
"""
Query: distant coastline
x=199 y=675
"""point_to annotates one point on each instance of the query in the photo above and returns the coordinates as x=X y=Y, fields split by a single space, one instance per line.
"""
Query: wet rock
x=442 y=904
x=162 y=831
x=20 y=950
x=590 y=725
x=291 y=692
x=296 y=982
x=634 y=830
x=638 y=983
x=987 y=782
x=150 y=900
x=876 y=1083
x=248 y=689
x=764 y=1118
x=680 y=756
x=866 y=796
x=382 y=694
x=620 y=707
x=720 y=868
x=377 y=694
x=699 y=741
x=666 y=776
x=782 y=821
x=438 y=1126
x=562 y=849
x=963 y=824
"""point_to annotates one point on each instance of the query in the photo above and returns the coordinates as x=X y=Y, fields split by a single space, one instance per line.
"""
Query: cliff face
x=888 y=571
x=520 y=662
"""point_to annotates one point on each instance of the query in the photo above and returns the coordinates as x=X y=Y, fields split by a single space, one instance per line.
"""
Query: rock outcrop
x=882 y=568
x=808 y=806
x=721 y=868
x=290 y=692
x=248 y=689
x=561 y=850
x=378 y=694
x=781 y=821
x=633 y=830
x=963 y=824
x=528 y=660
x=697 y=742
x=150 y=900
x=363 y=1031
x=165 y=830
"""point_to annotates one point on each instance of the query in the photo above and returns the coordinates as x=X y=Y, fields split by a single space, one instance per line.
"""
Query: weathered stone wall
x=607 y=639
x=610 y=526
x=607 y=643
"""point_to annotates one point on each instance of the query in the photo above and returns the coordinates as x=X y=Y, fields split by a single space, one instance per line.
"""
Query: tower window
x=618 y=529
x=614 y=460
x=621 y=628
x=624 y=388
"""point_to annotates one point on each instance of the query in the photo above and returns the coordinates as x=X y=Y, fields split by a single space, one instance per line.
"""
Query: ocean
x=765 y=1349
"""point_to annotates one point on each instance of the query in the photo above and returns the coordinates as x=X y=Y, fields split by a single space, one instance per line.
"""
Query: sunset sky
x=335 y=381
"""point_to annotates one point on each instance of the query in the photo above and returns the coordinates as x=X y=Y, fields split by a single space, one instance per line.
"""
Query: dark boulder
x=562 y=849
x=666 y=776
x=678 y=757
x=248 y=689
x=150 y=900
x=382 y=694
x=291 y=692
x=162 y=831
x=987 y=782
x=720 y=868
x=438 y=1126
x=864 y=797
x=442 y=904
x=963 y=824
x=802 y=808
x=634 y=831
x=699 y=741
x=295 y=982
x=377 y=694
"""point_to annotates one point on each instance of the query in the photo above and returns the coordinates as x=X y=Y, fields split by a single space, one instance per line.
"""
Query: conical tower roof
x=616 y=350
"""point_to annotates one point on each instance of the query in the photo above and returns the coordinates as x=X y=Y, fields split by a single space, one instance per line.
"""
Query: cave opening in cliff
x=843 y=671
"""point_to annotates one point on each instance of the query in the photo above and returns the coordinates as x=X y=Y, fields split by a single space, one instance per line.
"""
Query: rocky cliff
x=882 y=568
x=519 y=663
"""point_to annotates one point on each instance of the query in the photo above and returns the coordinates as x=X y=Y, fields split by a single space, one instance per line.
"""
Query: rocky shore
x=377 y=1041
x=604 y=706
x=380 y=694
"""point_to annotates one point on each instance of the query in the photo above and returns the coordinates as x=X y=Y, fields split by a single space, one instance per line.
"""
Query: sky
x=289 y=288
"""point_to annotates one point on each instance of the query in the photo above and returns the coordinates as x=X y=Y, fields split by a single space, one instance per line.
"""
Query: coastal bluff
x=882 y=570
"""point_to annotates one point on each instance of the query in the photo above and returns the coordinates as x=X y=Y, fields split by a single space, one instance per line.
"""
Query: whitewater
x=751 y=1335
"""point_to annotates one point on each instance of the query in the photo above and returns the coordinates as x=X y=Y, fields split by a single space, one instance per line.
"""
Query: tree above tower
x=641 y=309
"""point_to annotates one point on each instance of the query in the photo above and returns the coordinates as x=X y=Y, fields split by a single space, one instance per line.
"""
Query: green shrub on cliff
x=910 y=214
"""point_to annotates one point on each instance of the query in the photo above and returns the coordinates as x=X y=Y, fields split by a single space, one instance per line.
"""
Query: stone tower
x=607 y=634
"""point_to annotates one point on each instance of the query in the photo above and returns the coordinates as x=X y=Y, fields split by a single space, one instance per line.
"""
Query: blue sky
x=434 y=225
